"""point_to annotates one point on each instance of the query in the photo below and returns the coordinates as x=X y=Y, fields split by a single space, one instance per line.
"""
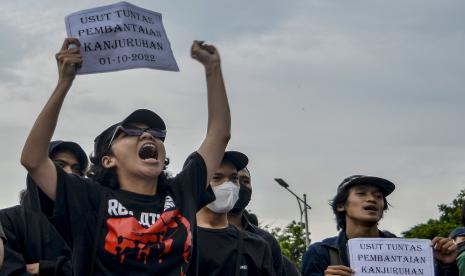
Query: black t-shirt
x=218 y=253
x=137 y=234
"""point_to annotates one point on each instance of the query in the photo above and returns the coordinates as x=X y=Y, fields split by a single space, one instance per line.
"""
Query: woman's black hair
x=340 y=200
x=108 y=177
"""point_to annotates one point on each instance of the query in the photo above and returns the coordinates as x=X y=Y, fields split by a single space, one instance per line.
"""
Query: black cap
x=386 y=186
x=59 y=145
x=144 y=116
x=238 y=159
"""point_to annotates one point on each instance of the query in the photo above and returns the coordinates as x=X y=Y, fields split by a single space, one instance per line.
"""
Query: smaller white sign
x=120 y=36
x=383 y=256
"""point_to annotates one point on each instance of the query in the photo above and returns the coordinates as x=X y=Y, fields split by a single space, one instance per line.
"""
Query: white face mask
x=226 y=196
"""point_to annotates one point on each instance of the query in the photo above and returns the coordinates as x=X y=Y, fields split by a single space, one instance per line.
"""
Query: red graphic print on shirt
x=127 y=238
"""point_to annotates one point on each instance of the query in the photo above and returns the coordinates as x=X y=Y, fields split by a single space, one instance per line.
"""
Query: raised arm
x=219 y=117
x=35 y=152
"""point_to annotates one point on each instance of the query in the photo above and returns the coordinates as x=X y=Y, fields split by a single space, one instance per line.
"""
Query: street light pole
x=306 y=207
x=307 y=239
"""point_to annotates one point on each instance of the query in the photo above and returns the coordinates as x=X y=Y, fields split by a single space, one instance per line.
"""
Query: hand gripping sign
x=382 y=256
x=120 y=36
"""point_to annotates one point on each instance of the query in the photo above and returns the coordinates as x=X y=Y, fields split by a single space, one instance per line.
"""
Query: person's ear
x=340 y=208
x=108 y=162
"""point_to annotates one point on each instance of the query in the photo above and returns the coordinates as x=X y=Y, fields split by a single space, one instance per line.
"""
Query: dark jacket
x=32 y=239
x=272 y=242
x=317 y=258
x=290 y=269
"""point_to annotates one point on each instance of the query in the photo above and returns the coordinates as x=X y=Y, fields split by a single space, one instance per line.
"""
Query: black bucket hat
x=145 y=116
x=386 y=186
x=59 y=145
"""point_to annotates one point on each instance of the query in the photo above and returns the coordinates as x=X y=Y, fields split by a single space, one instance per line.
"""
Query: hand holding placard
x=338 y=270
x=68 y=60
x=445 y=250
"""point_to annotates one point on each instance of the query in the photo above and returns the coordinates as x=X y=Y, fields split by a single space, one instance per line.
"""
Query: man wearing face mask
x=238 y=217
x=223 y=249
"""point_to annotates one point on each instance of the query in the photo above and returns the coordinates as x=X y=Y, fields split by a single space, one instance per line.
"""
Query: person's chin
x=372 y=220
x=151 y=172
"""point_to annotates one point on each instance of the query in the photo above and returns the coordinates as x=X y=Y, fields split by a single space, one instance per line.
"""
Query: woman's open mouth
x=148 y=151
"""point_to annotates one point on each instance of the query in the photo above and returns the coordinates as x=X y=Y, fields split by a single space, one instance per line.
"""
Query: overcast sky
x=319 y=90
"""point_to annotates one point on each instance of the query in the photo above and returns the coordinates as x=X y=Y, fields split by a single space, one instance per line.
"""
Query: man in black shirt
x=67 y=155
x=223 y=248
x=72 y=159
x=238 y=217
x=36 y=246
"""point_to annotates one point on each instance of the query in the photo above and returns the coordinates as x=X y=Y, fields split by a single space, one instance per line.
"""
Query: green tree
x=291 y=240
x=450 y=218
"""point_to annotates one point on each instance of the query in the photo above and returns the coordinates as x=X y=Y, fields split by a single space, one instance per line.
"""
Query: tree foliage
x=292 y=241
x=450 y=218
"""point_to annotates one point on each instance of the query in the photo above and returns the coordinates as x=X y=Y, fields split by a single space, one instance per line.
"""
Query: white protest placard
x=382 y=256
x=120 y=36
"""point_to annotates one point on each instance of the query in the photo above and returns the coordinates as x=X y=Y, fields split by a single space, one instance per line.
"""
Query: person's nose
x=68 y=169
x=371 y=197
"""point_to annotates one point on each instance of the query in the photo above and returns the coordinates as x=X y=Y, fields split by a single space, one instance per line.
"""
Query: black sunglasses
x=155 y=132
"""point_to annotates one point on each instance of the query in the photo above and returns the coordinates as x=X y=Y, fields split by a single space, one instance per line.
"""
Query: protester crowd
x=122 y=214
